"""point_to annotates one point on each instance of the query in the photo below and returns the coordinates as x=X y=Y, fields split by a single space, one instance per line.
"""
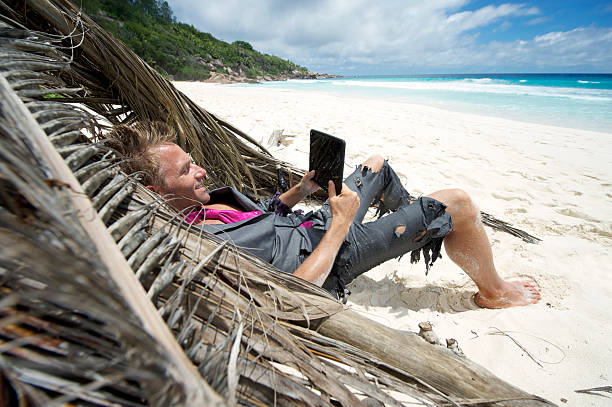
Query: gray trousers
x=405 y=224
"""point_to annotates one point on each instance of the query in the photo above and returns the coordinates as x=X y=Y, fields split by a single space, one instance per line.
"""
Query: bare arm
x=300 y=191
x=343 y=207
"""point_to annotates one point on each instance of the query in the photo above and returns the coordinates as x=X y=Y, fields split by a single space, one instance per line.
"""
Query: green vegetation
x=174 y=49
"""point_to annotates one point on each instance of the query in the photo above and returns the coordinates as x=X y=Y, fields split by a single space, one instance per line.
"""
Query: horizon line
x=478 y=73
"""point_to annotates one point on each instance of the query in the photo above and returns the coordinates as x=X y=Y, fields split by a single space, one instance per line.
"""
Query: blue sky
x=416 y=36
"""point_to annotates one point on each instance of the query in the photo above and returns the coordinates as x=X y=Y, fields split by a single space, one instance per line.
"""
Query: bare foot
x=517 y=293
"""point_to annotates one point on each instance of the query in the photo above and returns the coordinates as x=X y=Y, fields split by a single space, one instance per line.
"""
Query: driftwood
x=435 y=365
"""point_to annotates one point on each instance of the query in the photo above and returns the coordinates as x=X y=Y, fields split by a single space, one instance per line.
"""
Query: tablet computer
x=327 y=159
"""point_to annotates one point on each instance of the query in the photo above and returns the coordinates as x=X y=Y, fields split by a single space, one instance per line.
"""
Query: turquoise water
x=581 y=101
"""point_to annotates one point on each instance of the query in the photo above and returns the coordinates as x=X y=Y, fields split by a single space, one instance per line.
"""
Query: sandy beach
x=553 y=182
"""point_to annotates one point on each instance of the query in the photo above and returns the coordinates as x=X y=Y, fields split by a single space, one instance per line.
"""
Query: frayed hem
x=431 y=253
x=438 y=224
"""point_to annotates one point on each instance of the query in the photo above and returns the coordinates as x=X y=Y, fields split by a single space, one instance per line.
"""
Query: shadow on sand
x=395 y=293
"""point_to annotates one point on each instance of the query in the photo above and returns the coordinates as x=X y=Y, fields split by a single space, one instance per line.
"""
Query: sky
x=394 y=37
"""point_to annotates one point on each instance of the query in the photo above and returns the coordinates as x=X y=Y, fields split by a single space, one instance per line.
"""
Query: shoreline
x=553 y=182
x=196 y=86
x=448 y=108
x=545 y=116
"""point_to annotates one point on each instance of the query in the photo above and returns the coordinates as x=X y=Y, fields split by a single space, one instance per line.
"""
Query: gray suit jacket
x=274 y=238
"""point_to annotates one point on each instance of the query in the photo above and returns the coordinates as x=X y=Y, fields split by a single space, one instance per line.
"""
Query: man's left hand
x=307 y=185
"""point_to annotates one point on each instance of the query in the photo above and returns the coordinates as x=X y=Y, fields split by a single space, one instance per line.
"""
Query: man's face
x=182 y=178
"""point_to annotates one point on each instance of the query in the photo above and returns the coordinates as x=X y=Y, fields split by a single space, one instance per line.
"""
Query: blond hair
x=137 y=143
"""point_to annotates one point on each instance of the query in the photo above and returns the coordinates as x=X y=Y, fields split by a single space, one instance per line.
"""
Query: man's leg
x=416 y=226
x=375 y=180
x=404 y=231
x=468 y=246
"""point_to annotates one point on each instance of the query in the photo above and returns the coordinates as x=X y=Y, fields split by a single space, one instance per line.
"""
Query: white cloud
x=538 y=20
x=551 y=37
x=391 y=35
x=486 y=15
x=555 y=51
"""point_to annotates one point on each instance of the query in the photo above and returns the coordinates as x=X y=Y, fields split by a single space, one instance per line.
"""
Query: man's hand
x=343 y=207
x=300 y=191
x=307 y=185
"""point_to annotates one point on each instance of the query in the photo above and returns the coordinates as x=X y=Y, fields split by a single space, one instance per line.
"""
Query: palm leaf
x=66 y=326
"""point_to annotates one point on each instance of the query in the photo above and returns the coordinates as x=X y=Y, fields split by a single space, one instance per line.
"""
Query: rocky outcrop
x=217 y=77
x=231 y=76
x=224 y=74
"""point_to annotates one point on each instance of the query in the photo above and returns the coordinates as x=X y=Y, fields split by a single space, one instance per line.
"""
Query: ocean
x=582 y=101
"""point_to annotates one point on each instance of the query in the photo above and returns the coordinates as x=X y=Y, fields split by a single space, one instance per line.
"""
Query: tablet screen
x=327 y=159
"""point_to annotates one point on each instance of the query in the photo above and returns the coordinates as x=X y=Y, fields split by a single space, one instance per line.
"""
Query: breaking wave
x=485 y=85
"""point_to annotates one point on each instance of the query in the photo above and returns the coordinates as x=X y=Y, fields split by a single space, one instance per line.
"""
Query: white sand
x=553 y=182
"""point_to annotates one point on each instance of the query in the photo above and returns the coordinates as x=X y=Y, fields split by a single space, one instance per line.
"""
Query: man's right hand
x=343 y=207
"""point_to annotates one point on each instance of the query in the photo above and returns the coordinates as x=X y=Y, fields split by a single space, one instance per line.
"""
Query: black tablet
x=327 y=159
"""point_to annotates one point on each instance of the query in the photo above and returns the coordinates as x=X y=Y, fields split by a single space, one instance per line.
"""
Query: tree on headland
x=179 y=50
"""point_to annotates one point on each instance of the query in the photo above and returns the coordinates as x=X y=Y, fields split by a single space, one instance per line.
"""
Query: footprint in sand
x=508 y=197
x=515 y=210
x=575 y=214
x=522 y=174
x=391 y=293
x=440 y=299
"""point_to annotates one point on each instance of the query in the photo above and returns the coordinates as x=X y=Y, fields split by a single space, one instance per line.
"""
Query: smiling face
x=182 y=178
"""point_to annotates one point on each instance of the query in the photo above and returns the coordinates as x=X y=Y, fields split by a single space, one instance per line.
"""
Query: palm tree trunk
x=437 y=366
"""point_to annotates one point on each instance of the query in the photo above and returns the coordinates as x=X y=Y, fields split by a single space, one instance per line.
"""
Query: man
x=331 y=246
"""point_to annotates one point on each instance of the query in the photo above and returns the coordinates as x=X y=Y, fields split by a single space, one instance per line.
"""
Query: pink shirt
x=227 y=216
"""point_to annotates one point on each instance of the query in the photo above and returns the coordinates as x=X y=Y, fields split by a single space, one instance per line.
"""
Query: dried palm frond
x=67 y=332
x=504 y=226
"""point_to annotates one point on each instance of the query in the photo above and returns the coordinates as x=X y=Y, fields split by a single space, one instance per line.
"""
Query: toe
x=535 y=295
